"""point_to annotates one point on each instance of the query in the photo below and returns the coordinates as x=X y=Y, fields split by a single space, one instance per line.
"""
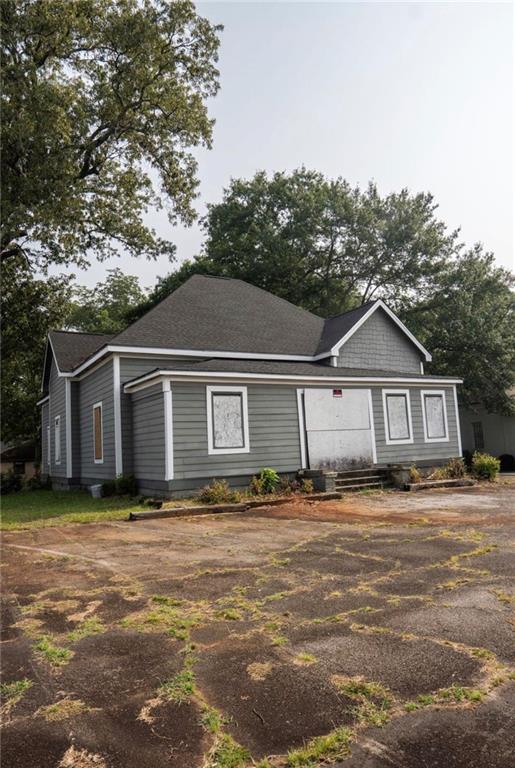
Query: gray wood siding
x=130 y=368
x=148 y=434
x=75 y=418
x=273 y=433
x=418 y=450
x=97 y=387
x=56 y=390
x=44 y=439
x=379 y=344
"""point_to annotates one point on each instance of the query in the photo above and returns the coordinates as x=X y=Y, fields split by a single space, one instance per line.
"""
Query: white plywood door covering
x=338 y=428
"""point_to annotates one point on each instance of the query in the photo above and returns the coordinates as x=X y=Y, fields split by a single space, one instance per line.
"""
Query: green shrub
x=36 y=483
x=256 y=486
x=109 y=488
x=10 y=482
x=218 y=492
x=125 y=485
x=485 y=467
x=306 y=486
x=455 y=468
x=122 y=485
x=269 y=480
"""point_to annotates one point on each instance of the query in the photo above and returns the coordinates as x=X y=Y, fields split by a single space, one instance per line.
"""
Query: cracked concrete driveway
x=375 y=631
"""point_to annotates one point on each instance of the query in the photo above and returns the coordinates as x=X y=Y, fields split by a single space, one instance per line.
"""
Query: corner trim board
x=372 y=426
x=68 y=426
x=117 y=416
x=168 y=415
x=302 y=429
x=458 y=425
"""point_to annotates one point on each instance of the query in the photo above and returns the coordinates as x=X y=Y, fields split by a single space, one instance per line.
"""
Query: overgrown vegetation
x=485 y=467
x=324 y=748
x=122 y=485
x=218 y=492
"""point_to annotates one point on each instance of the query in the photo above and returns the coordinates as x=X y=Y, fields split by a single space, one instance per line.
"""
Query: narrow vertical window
x=57 y=439
x=479 y=438
x=434 y=416
x=98 y=434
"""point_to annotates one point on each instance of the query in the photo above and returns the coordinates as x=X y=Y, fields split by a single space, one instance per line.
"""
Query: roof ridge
x=354 y=309
x=80 y=333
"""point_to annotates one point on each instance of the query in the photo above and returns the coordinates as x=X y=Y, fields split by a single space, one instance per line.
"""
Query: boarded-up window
x=227 y=420
x=435 y=417
x=57 y=439
x=397 y=416
x=98 y=436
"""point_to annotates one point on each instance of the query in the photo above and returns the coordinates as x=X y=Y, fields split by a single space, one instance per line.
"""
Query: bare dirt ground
x=369 y=633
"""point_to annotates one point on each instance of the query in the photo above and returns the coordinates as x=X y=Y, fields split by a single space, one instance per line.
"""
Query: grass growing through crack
x=454 y=695
x=54 y=654
x=62 y=710
x=86 y=628
x=180 y=688
x=305 y=659
x=165 y=617
x=11 y=693
x=228 y=754
x=330 y=747
x=373 y=700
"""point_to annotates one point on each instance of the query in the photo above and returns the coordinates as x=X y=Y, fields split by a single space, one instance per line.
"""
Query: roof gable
x=71 y=348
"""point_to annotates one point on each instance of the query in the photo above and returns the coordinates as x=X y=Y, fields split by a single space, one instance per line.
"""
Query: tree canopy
x=29 y=308
x=104 y=308
x=328 y=247
x=101 y=98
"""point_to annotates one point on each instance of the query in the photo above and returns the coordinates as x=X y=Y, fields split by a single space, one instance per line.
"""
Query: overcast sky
x=416 y=95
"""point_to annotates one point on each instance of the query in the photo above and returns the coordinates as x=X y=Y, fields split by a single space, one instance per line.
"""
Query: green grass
x=322 y=748
x=180 y=688
x=36 y=509
x=14 y=691
x=55 y=655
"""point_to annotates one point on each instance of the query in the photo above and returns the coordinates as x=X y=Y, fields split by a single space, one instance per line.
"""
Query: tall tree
x=104 y=308
x=320 y=243
x=468 y=324
x=100 y=99
x=30 y=307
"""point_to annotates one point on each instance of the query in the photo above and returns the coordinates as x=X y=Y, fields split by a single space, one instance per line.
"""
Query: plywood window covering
x=434 y=415
x=227 y=420
x=98 y=434
x=397 y=416
x=57 y=439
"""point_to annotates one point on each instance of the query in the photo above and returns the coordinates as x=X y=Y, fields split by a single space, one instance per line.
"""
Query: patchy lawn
x=35 y=509
x=365 y=633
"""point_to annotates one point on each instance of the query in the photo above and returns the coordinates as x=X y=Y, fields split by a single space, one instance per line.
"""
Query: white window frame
x=98 y=405
x=439 y=393
x=405 y=440
x=48 y=454
x=57 y=440
x=210 y=391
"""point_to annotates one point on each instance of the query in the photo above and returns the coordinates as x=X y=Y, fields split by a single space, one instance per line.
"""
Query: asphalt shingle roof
x=216 y=314
x=71 y=348
x=282 y=368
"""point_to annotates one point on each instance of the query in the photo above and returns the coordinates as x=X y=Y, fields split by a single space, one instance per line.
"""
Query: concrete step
x=374 y=486
x=361 y=473
x=342 y=482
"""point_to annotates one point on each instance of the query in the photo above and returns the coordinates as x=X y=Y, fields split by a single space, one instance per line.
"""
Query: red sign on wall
x=337 y=393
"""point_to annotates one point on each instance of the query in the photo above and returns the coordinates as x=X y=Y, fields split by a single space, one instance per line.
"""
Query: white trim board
x=438 y=393
x=117 y=416
x=302 y=429
x=68 y=426
x=168 y=418
x=458 y=425
x=242 y=391
x=149 y=379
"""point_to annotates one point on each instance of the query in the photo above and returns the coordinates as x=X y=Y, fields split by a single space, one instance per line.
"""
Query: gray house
x=222 y=378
